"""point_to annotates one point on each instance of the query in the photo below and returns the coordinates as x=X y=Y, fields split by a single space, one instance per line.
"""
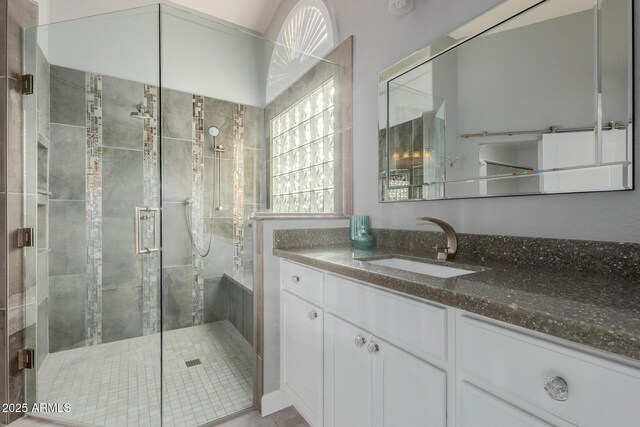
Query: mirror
x=533 y=97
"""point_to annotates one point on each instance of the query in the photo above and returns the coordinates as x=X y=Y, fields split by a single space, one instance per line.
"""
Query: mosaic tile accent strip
x=151 y=189
x=93 y=307
x=238 y=188
x=197 y=208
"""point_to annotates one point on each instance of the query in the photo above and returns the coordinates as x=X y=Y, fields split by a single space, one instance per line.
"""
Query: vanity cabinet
x=407 y=391
x=347 y=373
x=370 y=382
x=357 y=346
x=552 y=379
x=354 y=354
x=302 y=338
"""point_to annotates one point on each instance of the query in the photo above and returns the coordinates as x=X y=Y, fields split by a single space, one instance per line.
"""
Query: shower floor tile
x=118 y=384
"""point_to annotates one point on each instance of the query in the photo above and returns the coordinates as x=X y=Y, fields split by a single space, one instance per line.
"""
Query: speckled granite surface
x=621 y=259
x=566 y=299
x=300 y=238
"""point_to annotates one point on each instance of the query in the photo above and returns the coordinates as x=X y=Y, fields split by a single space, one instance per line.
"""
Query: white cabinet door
x=406 y=390
x=480 y=409
x=302 y=337
x=347 y=375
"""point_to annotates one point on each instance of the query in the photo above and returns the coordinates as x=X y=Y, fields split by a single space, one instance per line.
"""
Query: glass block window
x=302 y=159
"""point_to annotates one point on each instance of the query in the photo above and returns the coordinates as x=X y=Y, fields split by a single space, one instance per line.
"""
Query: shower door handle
x=141 y=249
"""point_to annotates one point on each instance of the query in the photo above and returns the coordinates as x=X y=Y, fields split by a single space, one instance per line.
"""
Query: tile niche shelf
x=43 y=194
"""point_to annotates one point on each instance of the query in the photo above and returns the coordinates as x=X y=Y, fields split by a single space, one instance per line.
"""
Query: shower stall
x=149 y=139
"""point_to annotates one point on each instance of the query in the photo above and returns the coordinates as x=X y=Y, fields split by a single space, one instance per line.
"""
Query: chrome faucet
x=446 y=253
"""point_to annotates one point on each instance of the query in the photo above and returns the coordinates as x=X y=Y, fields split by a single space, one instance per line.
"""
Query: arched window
x=308 y=33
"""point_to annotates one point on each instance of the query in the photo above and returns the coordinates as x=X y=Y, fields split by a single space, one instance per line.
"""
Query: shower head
x=214 y=131
x=142 y=113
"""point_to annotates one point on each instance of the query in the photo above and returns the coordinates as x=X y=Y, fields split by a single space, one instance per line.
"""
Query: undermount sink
x=435 y=270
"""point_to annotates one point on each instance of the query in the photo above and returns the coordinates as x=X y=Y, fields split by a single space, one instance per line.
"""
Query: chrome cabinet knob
x=360 y=341
x=313 y=315
x=373 y=348
x=557 y=388
x=295 y=279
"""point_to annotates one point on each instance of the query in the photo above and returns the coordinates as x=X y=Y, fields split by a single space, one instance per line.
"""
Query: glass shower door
x=94 y=124
x=212 y=146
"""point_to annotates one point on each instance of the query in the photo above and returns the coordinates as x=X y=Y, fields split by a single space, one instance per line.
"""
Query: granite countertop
x=601 y=311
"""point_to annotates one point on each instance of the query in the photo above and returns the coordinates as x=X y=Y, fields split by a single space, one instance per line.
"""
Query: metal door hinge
x=27 y=84
x=25 y=237
x=26 y=358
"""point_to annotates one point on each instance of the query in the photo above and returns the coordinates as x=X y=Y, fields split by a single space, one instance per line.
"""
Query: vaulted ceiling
x=255 y=15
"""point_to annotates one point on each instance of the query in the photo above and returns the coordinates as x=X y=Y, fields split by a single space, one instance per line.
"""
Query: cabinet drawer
x=480 y=409
x=600 y=392
x=302 y=281
x=415 y=326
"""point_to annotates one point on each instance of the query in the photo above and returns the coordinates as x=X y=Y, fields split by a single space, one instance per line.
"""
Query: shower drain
x=194 y=362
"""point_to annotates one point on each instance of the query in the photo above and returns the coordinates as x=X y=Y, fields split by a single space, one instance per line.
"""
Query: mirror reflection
x=537 y=103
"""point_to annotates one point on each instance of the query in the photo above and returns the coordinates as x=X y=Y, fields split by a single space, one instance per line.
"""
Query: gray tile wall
x=67 y=160
x=177 y=258
x=177 y=297
x=177 y=187
x=67 y=296
x=226 y=299
x=43 y=91
x=43 y=84
x=122 y=191
x=121 y=313
x=67 y=212
x=119 y=99
x=42 y=345
x=67 y=96
x=67 y=236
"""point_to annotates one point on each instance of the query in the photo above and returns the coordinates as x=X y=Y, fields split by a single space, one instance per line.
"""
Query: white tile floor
x=117 y=384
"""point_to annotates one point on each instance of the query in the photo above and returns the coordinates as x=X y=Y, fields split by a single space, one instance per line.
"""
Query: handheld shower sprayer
x=218 y=150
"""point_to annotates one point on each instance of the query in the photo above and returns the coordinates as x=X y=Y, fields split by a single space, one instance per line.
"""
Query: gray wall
x=178 y=257
x=43 y=74
x=380 y=41
x=504 y=78
x=477 y=81
x=221 y=62
x=122 y=190
x=227 y=299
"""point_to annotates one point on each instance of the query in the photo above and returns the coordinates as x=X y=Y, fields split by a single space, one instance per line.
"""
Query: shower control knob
x=313 y=315
x=295 y=279
x=360 y=341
